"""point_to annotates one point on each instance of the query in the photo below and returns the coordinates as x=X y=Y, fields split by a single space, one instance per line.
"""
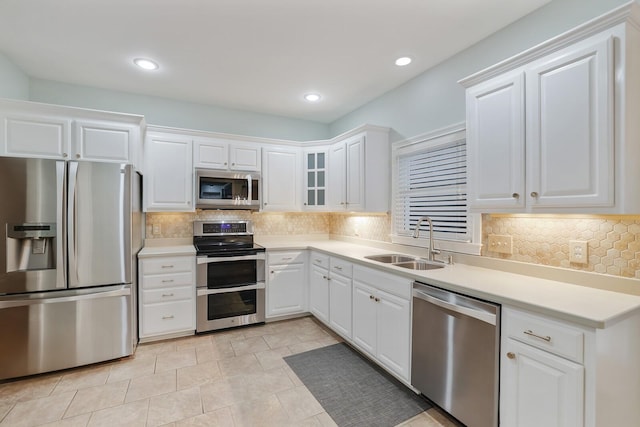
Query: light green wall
x=434 y=99
x=14 y=83
x=168 y=112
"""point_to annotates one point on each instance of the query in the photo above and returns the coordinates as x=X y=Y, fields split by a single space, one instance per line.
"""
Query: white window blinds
x=431 y=180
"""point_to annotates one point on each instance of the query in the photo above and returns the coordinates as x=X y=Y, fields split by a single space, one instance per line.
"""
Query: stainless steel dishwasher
x=454 y=359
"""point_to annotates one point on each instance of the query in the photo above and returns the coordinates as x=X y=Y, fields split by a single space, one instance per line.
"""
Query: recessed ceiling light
x=401 y=62
x=312 y=97
x=146 y=64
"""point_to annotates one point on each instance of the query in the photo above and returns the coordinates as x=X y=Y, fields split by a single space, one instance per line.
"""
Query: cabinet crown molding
x=627 y=13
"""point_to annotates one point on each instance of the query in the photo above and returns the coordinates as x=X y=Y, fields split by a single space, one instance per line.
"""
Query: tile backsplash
x=613 y=242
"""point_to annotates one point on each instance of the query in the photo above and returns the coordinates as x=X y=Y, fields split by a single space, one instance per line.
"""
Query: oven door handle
x=207 y=260
x=205 y=291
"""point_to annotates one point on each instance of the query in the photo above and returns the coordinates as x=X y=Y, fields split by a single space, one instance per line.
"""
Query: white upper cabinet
x=495 y=142
x=315 y=179
x=569 y=105
x=553 y=129
x=281 y=179
x=359 y=167
x=213 y=153
x=105 y=141
x=35 y=136
x=168 y=179
x=48 y=131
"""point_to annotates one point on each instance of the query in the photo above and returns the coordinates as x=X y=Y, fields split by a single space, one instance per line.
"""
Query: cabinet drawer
x=164 y=265
x=168 y=280
x=319 y=259
x=167 y=317
x=390 y=283
x=168 y=295
x=286 y=257
x=340 y=266
x=552 y=336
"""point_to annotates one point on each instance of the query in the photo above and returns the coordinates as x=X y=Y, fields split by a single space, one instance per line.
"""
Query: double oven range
x=230 y=273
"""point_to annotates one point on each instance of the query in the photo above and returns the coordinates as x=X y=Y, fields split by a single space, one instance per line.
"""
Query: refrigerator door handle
x=123 y=291
x=72 y=214
x=61 y=246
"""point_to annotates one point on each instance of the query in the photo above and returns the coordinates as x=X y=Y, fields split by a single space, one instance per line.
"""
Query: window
x=430 y=179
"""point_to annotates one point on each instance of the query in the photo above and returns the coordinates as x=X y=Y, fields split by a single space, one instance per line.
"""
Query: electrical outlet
x=578 y=251
x=156 y=229
x=502 y=244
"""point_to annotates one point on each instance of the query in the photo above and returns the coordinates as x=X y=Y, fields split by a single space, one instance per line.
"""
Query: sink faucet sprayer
x=416 y=234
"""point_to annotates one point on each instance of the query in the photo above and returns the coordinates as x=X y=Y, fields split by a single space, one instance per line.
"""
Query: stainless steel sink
x=390 y=258
x=419 y=264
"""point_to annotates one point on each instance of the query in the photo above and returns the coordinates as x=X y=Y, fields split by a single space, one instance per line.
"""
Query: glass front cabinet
x=315 y=197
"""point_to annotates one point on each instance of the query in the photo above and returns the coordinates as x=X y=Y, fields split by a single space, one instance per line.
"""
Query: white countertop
x=595 y=308
x=167 y=247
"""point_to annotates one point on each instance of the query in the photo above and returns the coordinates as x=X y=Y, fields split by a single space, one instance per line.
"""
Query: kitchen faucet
x=416 y=234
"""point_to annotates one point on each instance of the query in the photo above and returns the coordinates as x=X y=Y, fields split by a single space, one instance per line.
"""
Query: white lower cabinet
x=286 y=283
x=167 y=296
x=540 y=388
x=340 y=296
x=382 y=318
x=319 y=286
x=558 y=374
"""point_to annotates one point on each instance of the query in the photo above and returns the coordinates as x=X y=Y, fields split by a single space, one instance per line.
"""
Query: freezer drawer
x=59 y=330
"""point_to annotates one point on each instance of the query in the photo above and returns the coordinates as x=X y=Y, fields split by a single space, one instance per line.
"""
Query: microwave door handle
x=249 y=195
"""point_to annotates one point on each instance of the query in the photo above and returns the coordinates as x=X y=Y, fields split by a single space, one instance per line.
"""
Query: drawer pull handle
x=286 y=258
x=167 y=281
x=167 y=266
x=371 y=297
x=511 y=355
x=532 y=334
x=167 y=317
x=338 y=268
x=318 y=260
x=167 y=295
x=324 y=277
x=376 y=299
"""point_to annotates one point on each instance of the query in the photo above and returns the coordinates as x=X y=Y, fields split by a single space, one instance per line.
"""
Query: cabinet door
x=319 y=293
x=393 y=324
x=210 y=153
x=570 y=145
x=355 y=174
x=364 y=317
x=244 y=157
x=168 y=176
x=337 y=177
x=496 y=144
x=286 y=289
x=104 y=141
x=35 y=136
x=281 y=180
x=539 y=389
x=340 y=304
x=315 y=180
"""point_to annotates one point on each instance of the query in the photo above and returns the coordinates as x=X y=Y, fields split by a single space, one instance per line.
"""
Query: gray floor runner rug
x=354 y=391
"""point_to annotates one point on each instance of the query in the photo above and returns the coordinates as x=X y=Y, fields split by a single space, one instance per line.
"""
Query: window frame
x=418 y=143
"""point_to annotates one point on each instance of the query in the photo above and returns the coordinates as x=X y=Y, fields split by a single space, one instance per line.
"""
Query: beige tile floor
x=229 y=378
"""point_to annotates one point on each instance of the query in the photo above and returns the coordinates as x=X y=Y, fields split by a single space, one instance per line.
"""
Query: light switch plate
x=156 y=229
x=578 y=251
x=501 y=243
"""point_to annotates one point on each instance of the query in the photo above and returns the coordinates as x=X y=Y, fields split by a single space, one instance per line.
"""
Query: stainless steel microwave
x=227 y=190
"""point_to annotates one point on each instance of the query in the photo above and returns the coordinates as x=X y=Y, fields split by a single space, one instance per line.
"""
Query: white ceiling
x=255 y=55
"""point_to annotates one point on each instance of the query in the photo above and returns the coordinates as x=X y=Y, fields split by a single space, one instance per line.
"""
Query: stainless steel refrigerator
x=70 y=235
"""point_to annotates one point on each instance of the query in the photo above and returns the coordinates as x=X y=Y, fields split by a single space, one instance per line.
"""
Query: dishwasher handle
x=476 y=314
